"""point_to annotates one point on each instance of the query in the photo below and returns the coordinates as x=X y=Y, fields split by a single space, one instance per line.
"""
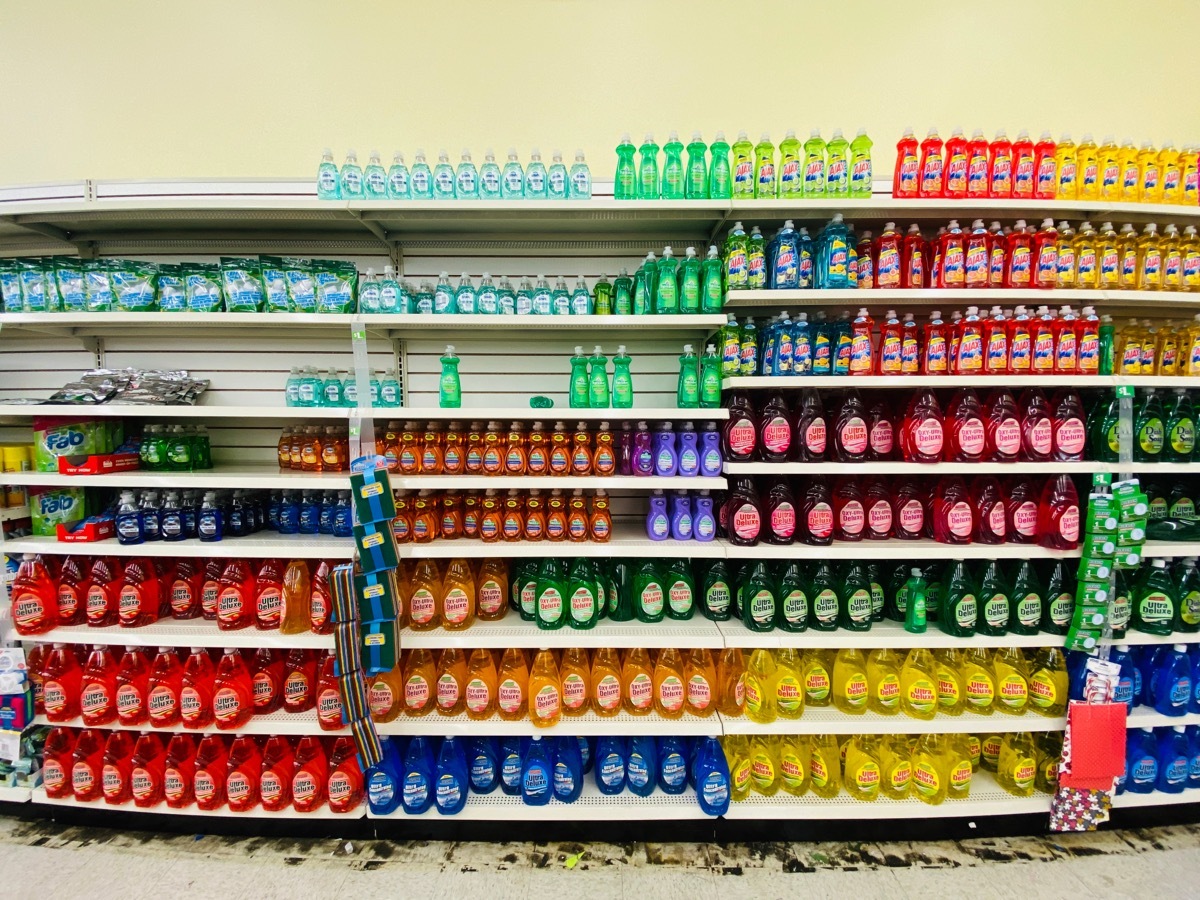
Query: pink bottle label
x=820 y=520
x=783 y=520
x=882 y=438
x=912 y=517
x=854 y=435
x=1071 y=436
x=971 y=437
x=1068 y=524
x=879 y=517
x=852 y=518
x=928 y=437
x=959 y=519
x=1025 y=519
x=814 y=437
x=1008 y=437
x=777 y=435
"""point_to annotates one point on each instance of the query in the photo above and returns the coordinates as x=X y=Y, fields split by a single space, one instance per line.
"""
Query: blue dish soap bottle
x=383 y=780
x=681 y=516
x=689 y=454
x=1141 y=762
x=1172 y=688
x=704 y=523
x=568 y=769
x=419 y=773
x=641 y=768
x=451 y=793
x=658 y=525
x=666 y=460
x=483 y=765
x=1173 y=760
x=712 y=778
x=511 y=764
x=537 y=774
x=610 y=765
x=672 y=765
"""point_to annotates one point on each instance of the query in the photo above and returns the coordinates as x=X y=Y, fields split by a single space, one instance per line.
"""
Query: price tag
x=1102 y=478
x=1125 y=390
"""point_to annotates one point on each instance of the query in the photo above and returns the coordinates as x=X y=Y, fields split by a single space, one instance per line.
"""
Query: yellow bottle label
x=925 y=779
x=762 y=770
x=816 y=684
x=754 y=695
x=960 y=775
x=887 y=692
x=921 y=695
x=976 y=747
x=1014 y=691
x=990 y=748
x=866 y=779
x=817 y=769
x=855 y=690
x=980 y=690
x=1024 y=771
x=787 y=693
x=947 y=688
x=1042 y=692
x=791 y=770
x=901 y=775
x=741 y=775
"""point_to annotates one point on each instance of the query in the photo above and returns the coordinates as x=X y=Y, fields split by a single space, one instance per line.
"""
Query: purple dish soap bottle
x=689 y=453
x=658 y=525
x=710 y=451
x=643 y=450
x=681 y=516
x=625 y=450
x=704 y=524
x=666 y=460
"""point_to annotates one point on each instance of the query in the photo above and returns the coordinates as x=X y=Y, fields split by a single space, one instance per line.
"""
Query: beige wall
x=223 y=88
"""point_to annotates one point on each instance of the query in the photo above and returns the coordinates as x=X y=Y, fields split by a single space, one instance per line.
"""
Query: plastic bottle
x=719 y=181
x=956 y=166
x=931 y=181
x=905 y=173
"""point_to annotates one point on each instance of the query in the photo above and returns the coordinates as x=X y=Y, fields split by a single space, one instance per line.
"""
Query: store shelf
x=885 y=634
x=827 y=720
x=281 y=413
x=870 y=382
x=566 y=482
x=1147 y=717
x=1136 y=638
x=591 y=806
x=258 y=477
x=513 y=631
x=893 y=549
x=274 y=723
x=15 y=794
x=915 y=468
x=987 y=799
x=263 y=545
x=504 y=414
x=39 y=796
x=202 y=411
x=13 y=513
x=628 y=540
x=1128 y=800
x=1151 y=549
x=587 y=725
x=176 y=633
x=880 y=298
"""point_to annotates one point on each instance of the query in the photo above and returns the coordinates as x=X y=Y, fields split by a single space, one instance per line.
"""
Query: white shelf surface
x=279 y=412
x=591 y=806
x=896 y=467
x=565 y=482
x=893 y=549
x=1170 y=548
x=1129 y=800
x=263 y=545
x=201 y=411
x=628 y=540
x=587 y=725
x=39 y=796
x=513 y=631
x=987 y=799
x=12 y=513
x=177 y=633
x=982 y=297
x=273 y=723
x=504 y=414
x=885 y=634
x=261 y=477
x=1148 y=717
x=869 y=382
x=828 y=720
x=15 y=794
x=1136 y=638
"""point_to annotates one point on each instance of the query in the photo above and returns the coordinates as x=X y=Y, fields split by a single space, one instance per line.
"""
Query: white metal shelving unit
x=15 y=794
x=871 y=382
x=258 y=477
x=324 y=812
x=628 y=540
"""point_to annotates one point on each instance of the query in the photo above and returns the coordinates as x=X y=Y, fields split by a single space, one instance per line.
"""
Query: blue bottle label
x=381 y=790
x=638 y=773
x=674 y=770
x=449 y=791
x=611 y=770
x=564 y=781
x=715 y=790
x=416 y=790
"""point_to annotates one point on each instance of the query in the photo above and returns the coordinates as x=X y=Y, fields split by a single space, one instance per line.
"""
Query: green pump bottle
x=855 y=610
x=680 y=589
x=758 y=599
x=648 y=594
x=696 y=181
x=960 y=607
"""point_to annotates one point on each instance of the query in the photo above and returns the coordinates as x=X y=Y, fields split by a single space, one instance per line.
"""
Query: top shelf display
x=285 y=217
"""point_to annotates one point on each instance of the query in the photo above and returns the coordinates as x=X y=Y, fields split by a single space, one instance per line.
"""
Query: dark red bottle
x=781 y=514
x=1058 y=514
x=923 y=432
x=744 y=514
x=811 y=429
x=877 y=500
x=966 y=437
x=1037 y=429
x=739 y=436
x=1068 y=431
x=987 y=499
x=849 y=516
x=775 y=430
x=953 y=517
x=881 y=440
x=1021 y=510
x=815 y=523
x=908 y=510
x=850 y=431
x=1003 y=427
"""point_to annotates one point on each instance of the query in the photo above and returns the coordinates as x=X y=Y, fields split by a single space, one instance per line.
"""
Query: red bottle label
x=814 y=437
x=741 y=438
x=777 y=435
x=1071 y=436
x=820 y=520
x=851 y=518
x=854 y=436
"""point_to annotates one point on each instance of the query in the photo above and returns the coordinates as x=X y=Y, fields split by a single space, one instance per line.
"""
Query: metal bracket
x=95 y=345
x=712 y=237
x=397 y=255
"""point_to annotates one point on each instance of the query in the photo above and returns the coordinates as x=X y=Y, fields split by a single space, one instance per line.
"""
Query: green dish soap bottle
x=712 y=295
x=666 y=285
x=1154 y=600
x=1059 y=607
x=622 y=381
x=1026 y=601
x=717 y=600
x=825 y=600
x=855 y=611
x=580 y=392
x=689 y=283
x=622 y=302
x=598 y=396
x=960 y=608
x=758 y=599
x=582 y=591
x=687 y=394
x=551 y=589
x=681 y=589
x=603 y=292
x=450 y=386
x=696 y=180
x=994 y=605
x=648 y=592
x=620 y=591
x=672 y=172
x=1181 y=430
x=720 y=184
x=794 y=592
x=710 y=379
x=1148 y=429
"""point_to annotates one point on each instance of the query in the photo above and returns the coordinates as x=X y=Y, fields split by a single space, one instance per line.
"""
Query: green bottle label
x=858 y=606
x=995 y=611
x=652 y=599
x=666 y=292
x=712 y=292
x=691 y=290
x=966 y=612
x=877 y=599
x=1150 y=436
x=583 y=605
x=1158 y=508
x=1118 y=613
x=825 y=606
x=1189 y=608
x=716 y=598
x=549 y=605
x=1156 y=607
x=1183 y=508
x=902 y=600
x=1183 y=436
x=795 y=607
x=1114 y=440
x=1029 y=610
x=762 y=607
x=1062 y=608
x=680 y=597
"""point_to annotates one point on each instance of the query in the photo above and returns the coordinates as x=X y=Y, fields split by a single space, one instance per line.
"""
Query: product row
x=816 y=169
x=102 y=591
x=516 y=515
x=1165 y=678
x=444 y=181
x=1163 y=759
x=960 y=168
x=211 y=773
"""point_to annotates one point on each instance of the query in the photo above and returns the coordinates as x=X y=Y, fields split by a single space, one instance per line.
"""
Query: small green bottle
x=689 y=283
x=648 y=595
x=666 y=285
x=1181 y=430
x=1154 y=600
x=960 y=608
x=994 y=606
x=712 y=294
x=603 y=292
x=855 y=611
x=687 y=394
x=710 y=379
x=551 y=591
x=935 y=591
x=648 y=169
x=1103 y=442
x=672 y=173
x=622 y=294
x=450 y=387
x=620 y=591
x=622 y=381
x=825 y=602
x=1148 y=429
x=793 y=612
x=598 y=390
x=1107 y=339
x=581 y=590
x=716 y=601
x=625 y=181
x=603 y=583
x=1059 y=607
x=758 y=599
x=580 y=392
x=719 y=182
x=914 y=610
x=681 y=589
x=696 y=182
x=1026 y=601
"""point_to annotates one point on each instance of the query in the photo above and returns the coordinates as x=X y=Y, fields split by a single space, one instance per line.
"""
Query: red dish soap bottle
x=881 y=440
x=923 y=432
x=877 y=501
x=1037 y=429
x=1021 y=510
x=849 y=516
x=739 y=435
x=744 y=514
x=811 y=429
x=1058 y=514
x=908 y=510
x=775 y=430
x=966 y=437
x=988 y=502
x=935 y=360
x=850 y=432
x=995 y=343
x=1069 y=433
x=781 y=513
x=1003 y=427
x=953 y=517
x=816 y=514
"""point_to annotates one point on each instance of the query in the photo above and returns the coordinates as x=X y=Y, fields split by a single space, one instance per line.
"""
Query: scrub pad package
x=33 y=285
x=202 y=287
x=68 y=274
x=275 y=284
x=242 y=282
x=302 y=291
x=97 y=286
x=171 y=295
x=133 y=285
x=337 y=283
x=10 y=287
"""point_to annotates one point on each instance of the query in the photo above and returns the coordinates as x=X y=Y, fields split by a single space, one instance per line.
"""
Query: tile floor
x=100 y=863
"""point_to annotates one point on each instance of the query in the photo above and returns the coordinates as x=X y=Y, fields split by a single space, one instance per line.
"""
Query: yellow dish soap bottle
x=883 y=681
x=1012 y=681
x=824 y=766
x=930 y=768
x=919 y=684
x=989 y=751
x=1016 y=770
x=737 y=756
x=816 y=669
x=862 y=767
x=895 y=764
x=1049 y=746
x=764 y=764
x=850 y=691
x=1048 y=682
x=789 y=684
x=959 y=786
x=793 y=764
x=979 y=682
x=947 y=668
x=760 y=686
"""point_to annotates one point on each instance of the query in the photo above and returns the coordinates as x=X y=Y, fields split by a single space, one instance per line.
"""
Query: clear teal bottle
x=556 y=178
x=541 y=299
x=623 y=294
x=625 y=182
x=327 y=177
x=466 y=179
x=506 y=297
x=350 y=388
x=695 y=186
x=422 y=178
x=710 y=379
x=489 y=177
x=719 y=182
x=648 y=170
x=374 y=178
x=443 y=296
x=666 y=284
x=331 y=390
x=512 y=183
x=465 y=298
x=390 y=393
x=488 y=300
x=687 y=393
x=689 y=283
x=672 y=172
x=581 y=178
x=598 y=389
x=622 y=382
x=712 y=296
x=449 y=386
x=443 y=177
x=350 y=179
x=581 y=299
x=398 y=185
x=424 y=298
x=602 y=304
x=535 y=177
x=580 y=390
x=560 y=298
